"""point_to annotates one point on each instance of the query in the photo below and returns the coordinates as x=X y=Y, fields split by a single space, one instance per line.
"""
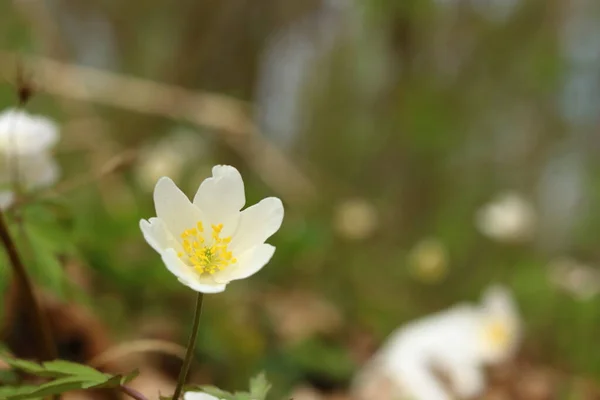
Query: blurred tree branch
x=221 y=113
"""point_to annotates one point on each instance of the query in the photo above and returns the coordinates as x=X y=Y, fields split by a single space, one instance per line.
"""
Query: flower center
x=206 y=257
x=497 y=334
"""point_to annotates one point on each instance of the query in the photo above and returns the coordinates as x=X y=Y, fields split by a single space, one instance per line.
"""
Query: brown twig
x=39 y=318
x=137 y=346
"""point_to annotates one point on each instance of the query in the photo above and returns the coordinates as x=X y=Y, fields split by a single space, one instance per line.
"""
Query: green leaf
x=129 y=377
x=29 y=367
x=56 y=386
x=259 y=387
x=68 y=376
x=109 y=382
x=61 y=385
x=8 y=377
x=6 y=391
x=70 y=368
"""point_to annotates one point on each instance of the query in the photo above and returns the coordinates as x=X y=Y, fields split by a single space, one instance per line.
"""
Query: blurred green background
x=400 y=121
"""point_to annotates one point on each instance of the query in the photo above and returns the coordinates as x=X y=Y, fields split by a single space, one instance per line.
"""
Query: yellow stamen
x=206 y=257
x=497 y=333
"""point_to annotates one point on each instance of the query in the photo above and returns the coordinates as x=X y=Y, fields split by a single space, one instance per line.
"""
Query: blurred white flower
x=355 y=219
x=209 y=243
x=169 y=156
x=198 y=396
x=25 y=144
x=576 y=278
x=459 y=342
x=428 y=260
x=508 y=218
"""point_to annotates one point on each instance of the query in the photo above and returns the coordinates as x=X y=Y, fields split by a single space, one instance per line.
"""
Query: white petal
x=198 y=286
x=176 y=266
x=37 y=170
x=257 y=224
x=187 y=276
x=249 y=263
x=198 y=396
x=156 y=234
x=46 y=132
x=222 y=195
x=498 y=299
x=23 y=133
x=174 y=208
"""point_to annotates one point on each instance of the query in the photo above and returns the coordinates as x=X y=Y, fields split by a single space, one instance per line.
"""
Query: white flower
x=428 y=260
x=208 y=243
x=508 y=218
x=23 y=133
x=459 y=342
x=356 y=219
x=25 y=144
x=169 y=156
x=198 y=396
x=576 y=278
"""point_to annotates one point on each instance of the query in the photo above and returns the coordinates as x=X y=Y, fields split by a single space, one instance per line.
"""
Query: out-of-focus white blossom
x=169 y=156
x=25 y=144
x=428 y=260
x=355 y=219
x=576 y=278
x=459 y=342
x=508 y=218
x=209 y=242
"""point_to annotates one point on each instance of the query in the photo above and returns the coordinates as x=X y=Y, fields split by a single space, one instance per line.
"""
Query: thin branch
x=138 y=346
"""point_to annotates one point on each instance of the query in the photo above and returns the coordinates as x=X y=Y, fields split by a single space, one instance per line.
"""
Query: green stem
x=187 y=362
